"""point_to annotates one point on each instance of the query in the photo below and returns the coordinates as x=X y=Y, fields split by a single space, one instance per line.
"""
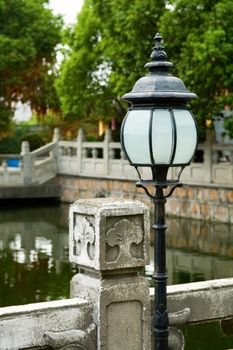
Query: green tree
x=29 y=33
x=199 y=39
x=108 y=48
x=112 y=40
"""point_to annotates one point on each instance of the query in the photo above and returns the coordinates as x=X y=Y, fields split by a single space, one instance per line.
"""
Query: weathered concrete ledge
x=207 y=301
x=24 y=326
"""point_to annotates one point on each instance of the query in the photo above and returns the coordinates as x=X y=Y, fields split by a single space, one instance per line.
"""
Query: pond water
x=34 y=262
x=34 y=254
x=197 y=251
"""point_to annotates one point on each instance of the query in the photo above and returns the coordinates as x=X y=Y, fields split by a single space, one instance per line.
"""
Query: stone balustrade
x=37 y=326
x=36 y=167
x=99 y=169
x=111 y=302
x=104 y=159
x=213 y=162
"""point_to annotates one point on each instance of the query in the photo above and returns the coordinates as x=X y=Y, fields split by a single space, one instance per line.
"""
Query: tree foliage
x=29 y=33
x=199 y=37
x=108 y=48
x=112 y=40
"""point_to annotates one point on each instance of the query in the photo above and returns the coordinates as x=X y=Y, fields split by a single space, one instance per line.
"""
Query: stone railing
x=11 y=175
x=98 y=159
x=36 y=167
x=54 y=324
x=213 y=163
x=110 y=305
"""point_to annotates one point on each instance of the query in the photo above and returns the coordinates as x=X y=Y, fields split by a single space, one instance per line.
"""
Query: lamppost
x=159 y=132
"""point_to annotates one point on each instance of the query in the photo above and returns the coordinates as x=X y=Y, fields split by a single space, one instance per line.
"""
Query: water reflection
x=197 y=251
x=34 y=253
x=199 y=236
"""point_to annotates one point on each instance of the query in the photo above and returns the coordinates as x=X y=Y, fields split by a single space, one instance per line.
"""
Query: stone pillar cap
x=109 y=234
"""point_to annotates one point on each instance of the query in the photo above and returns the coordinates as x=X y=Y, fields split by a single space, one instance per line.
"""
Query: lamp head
x=159 y=130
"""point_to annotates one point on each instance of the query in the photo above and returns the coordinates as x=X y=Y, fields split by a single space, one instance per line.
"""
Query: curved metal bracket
x=158 y=185
x=179 y=184
x=139 y=185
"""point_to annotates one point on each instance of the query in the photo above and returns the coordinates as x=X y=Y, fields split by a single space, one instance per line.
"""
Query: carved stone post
x=208 y=160
x=106 y=150
x=80 y=140
x=27 y=163
x=56 y=135
x=5 y=174
x=56 y=151
x=109 y=242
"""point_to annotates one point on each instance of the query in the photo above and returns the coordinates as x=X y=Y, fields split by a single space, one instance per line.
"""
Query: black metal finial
x=158 y=57
x=159 y=86
x=158 y=53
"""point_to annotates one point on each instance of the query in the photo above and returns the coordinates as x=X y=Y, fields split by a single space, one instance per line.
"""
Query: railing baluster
x=84 y=152
x=111 y=153
x=231 y=157
x=94 y=153
x=69 y=152
x=122 y=155
x=215 y=157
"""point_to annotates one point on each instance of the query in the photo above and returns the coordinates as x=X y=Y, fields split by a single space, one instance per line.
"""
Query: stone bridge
x=213 y=163
x=85 y=169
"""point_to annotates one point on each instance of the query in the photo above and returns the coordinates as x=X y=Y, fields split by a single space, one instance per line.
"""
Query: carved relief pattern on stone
x=84 y=238
x=73 y=339
x=122 y=239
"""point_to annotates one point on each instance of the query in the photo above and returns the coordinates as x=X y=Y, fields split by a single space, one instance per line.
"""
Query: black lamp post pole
x=160 y=322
